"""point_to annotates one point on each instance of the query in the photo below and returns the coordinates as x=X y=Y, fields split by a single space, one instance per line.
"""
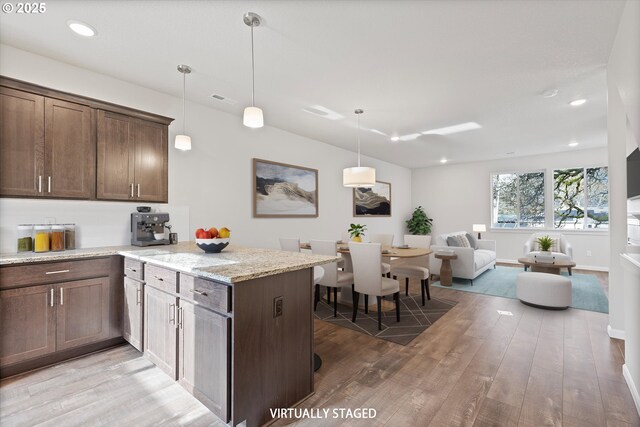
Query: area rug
x=586 y=292
x=414 y=318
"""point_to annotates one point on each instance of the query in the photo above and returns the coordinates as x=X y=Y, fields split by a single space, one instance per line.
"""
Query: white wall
x=210 y=185
x=459 y=195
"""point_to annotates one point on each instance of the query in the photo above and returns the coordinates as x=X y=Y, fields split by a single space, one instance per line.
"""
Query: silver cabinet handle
x=131 y=269
x=158 y=278
x=138 y=190
x=132 y=190
x=49 y=184
x=199 y=292
x=172 y=314
x=51 y=303
x=138 y=300
x=39 y=183
x=57 y=272
x=180 y=317
x=61 y=296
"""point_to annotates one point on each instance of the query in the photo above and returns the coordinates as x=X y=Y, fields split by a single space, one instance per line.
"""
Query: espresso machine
x=146 y=227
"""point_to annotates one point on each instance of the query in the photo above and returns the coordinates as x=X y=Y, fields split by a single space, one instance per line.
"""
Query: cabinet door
x=204 y=343
x=160 y=334
x=27 y=324
x=82 y=312
x=151 y=161
x=115 y=156
x=69 y=150
x=133 y=312
x=21 y=143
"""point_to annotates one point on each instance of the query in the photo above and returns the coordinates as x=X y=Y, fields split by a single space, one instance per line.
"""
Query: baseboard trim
x=615 y=333
x=577 y=267
x=632 y=387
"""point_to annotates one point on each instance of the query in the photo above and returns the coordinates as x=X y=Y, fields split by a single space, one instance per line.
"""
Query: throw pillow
x=452 y=241
x=463 y=241
x=472 y=241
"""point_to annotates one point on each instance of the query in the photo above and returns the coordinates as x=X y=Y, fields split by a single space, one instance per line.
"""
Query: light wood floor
x=472 y=367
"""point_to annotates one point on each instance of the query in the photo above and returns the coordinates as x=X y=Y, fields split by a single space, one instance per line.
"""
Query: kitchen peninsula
x=234 y=328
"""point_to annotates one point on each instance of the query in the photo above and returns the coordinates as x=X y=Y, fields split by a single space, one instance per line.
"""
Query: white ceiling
x=411 y=65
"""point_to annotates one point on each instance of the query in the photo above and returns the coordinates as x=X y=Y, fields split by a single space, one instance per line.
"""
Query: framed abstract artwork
x=284 y=191
x=375 y=201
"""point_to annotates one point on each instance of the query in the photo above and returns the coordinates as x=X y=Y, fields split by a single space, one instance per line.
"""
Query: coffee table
x=542 y=267
x=446 y=273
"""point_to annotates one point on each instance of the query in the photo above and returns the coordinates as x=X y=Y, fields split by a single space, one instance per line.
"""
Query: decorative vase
x=356 y=239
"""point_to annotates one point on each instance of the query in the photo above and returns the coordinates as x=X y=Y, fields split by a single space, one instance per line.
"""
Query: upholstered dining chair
x=333 y=278
x=290 y=244
x=366 y=258
x=384 y=240
x=417 y=268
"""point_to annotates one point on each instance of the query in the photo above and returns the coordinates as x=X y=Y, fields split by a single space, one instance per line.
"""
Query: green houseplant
x=356 y=231
x=419 y=223
x=545 y=243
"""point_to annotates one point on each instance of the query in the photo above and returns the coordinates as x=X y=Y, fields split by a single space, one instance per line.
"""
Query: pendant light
x=183 y=141
x=252 y=115
x=359 y=176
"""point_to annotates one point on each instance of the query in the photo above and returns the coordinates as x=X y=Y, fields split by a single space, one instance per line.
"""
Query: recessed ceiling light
x=550 y=93
x=395 y=138
x=82 y=29
x=462 y=127
x=443 y=161
x=577 y=102
x=573 y=144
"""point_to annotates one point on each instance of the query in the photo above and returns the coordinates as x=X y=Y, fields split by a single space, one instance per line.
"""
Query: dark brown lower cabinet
x=27 y=323
x=160 y=333
x=203 y=345
x=133 y=312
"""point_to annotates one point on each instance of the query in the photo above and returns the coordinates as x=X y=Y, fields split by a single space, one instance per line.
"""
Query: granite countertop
x=234 y=264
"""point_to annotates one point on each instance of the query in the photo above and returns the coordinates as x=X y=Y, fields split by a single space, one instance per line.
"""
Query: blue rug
x=586 y=292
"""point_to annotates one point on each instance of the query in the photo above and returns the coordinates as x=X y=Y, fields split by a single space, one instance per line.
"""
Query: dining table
x=388 y=252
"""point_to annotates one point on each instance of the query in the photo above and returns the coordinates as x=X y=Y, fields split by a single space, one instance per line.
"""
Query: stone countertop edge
x=242 y=271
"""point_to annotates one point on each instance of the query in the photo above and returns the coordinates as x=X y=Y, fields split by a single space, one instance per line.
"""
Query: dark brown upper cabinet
x=60 y=145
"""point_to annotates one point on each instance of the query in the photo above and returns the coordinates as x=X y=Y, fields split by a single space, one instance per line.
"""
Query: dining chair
x=333 y=278
x=366 y=257
x=384 y=240
x=417 y=268
x=290 y=244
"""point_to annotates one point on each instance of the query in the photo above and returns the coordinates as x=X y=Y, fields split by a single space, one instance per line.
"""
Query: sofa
x=471 y=261
x=563 y=251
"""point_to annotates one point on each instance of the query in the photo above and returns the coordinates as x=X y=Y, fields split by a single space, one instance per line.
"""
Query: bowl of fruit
x=212 y=241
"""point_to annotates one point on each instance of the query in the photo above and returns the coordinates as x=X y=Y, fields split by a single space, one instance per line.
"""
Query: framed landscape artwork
x=284 y=191
x=375 y=201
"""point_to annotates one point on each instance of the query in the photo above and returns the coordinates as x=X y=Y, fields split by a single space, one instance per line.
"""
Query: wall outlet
x=588 y=253
x=277 y=306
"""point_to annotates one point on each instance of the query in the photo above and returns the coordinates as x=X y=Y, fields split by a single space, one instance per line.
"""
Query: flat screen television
x=633 y=174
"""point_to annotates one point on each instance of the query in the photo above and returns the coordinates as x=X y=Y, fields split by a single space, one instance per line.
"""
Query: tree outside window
x=581 y=198
x=518 y=200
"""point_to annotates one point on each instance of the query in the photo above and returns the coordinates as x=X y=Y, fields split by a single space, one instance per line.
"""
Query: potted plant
x=545 y=243
x=419 y=223
x=356 y=231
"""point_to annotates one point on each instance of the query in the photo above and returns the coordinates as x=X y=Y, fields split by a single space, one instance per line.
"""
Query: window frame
x=585 y=200
x=517 y=172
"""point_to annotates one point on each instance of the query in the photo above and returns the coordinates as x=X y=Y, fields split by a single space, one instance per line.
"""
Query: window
x=518 y=200
x=581 y=198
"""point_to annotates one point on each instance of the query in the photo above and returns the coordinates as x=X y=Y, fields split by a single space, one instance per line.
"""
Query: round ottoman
x=544 y=290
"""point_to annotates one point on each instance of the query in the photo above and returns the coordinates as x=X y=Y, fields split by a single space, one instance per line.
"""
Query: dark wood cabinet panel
x=151 y=162
x=21 y=143
x=160 y=333
x=204 y=340
x=27 y=324
x=69 y=150
x=133 y=312
x=83 y=312
x=115 y=165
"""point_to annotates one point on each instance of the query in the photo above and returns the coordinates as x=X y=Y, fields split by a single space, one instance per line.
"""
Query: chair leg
x=406 y=286
x=526 y=267
x=426 y=285
x=471 y=282
x=366 y=304
x=388 y=275
x=395 y=277
x=570 y=272
x=396 y=296
x=328 y=295
x=379 y=313
x=422 y=286
x=335 y=302
x=316 y=298
x=356 y=300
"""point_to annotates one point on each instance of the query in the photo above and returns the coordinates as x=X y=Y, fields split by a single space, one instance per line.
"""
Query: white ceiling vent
x=224 y=99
